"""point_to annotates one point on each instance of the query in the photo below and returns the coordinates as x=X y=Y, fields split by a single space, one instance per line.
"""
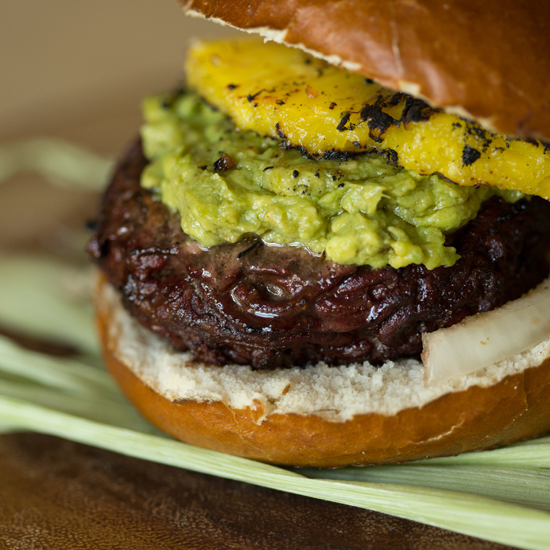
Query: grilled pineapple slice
x=284 y=93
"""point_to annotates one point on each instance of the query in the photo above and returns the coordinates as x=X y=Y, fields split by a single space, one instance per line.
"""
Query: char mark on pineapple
x=275 y=307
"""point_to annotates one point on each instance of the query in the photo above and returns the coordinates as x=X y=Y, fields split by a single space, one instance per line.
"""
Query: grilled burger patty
x=271 y=306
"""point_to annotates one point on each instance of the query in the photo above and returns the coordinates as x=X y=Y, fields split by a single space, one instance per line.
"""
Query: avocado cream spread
x=227 y=184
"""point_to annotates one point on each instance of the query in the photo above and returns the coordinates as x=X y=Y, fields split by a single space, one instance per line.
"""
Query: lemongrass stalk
x=539 y=441
x=7 y=428
x=63 y=163
x=472 y=515
x=67 y=374
x=528 y=454
x=105 y=410
x=525 y=486
x=34 y=301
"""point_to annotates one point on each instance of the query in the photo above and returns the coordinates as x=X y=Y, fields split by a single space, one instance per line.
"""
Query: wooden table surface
x=67 y=496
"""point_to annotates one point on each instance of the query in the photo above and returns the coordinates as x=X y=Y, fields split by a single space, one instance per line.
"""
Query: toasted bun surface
x=484 y=60
x=483 y=415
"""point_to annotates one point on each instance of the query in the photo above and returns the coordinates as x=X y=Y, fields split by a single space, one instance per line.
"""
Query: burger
x=299 y=233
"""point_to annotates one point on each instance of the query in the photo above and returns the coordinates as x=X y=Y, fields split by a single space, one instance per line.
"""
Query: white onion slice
x=487 y=338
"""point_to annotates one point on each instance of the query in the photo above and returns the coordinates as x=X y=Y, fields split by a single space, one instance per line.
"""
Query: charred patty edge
x=275 y=307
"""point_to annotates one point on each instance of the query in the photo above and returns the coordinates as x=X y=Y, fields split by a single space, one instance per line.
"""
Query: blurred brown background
x=77 y=70
x=59 y=56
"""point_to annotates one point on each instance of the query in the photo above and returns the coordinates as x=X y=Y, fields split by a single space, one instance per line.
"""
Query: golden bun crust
x=516 y=408
x=485 y=60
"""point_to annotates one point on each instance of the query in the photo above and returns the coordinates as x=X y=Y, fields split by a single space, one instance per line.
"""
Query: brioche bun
x=351 y=415
x=486 y=61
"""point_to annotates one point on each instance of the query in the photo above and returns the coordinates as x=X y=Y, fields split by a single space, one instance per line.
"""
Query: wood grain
x=63 y=495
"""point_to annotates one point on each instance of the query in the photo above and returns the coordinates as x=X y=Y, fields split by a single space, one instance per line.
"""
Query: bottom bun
x=505 y=403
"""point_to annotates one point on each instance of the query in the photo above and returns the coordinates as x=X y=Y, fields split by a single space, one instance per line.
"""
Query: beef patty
x=271 y=306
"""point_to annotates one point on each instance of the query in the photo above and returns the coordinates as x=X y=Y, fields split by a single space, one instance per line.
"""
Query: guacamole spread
x=227 y=184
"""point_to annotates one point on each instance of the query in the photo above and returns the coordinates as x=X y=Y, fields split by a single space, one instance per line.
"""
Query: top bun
x=488 y=61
